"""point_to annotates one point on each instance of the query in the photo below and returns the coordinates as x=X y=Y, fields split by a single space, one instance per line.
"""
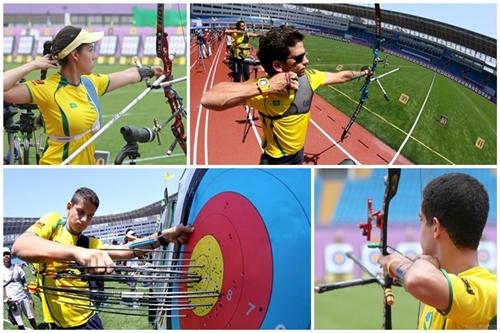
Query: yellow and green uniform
x=71 y=115
x=472 y=304
x=241 y=46
x=59 y=307
x=284 y=134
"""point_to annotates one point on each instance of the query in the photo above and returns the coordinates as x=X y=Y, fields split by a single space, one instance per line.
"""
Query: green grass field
x=362 y=308
x=152 y=106
x=109 y=321
x=469 y=115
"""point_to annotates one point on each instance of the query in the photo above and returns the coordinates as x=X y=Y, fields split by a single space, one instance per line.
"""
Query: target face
x=230 y=241
x=251 y=244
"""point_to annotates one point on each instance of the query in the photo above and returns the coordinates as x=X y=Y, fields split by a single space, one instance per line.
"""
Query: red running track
x=216 y=136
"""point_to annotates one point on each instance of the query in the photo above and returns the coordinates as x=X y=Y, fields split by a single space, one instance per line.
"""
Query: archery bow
x=380 y=218
x=173 y=98
x=369 y=78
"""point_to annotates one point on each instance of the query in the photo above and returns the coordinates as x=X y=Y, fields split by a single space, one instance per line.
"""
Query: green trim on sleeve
x=65 y=152
x=450 y=302
x=31 y=94
x=107 y=86
x=493 y=323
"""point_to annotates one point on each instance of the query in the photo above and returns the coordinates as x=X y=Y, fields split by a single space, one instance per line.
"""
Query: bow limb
x=364 y=90
x=173 y=99
x=393 y=176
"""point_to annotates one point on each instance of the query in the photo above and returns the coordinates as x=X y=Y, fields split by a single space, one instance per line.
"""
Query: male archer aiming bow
x=457 y=293
x=283 y=97
x=240 y=50
x=53 y=240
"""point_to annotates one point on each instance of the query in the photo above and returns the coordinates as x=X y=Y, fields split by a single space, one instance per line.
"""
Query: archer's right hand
x=281 y=83
x=100 y=260
x=42 y=63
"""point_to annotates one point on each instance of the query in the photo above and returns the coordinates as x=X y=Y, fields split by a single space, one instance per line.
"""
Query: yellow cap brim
x=84 y=37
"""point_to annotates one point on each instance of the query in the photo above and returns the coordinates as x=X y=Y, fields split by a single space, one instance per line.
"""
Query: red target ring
x=247 y=259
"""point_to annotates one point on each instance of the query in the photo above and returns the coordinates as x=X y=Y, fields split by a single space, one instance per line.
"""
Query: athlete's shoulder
x=51 y=218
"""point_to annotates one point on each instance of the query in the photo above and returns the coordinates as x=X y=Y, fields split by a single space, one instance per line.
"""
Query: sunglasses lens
x=299 y=58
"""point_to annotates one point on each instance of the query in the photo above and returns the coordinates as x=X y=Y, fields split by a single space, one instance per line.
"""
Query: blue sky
x=480 y=17
x=35 y=192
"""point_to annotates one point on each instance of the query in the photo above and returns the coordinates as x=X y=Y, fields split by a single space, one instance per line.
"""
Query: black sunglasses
x=299 y=58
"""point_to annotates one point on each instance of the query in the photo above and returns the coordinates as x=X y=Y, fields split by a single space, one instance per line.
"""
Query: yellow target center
x=209 y=265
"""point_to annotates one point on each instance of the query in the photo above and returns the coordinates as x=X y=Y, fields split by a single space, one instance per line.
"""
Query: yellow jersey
x=284 y=135
x=58 y=307
x=472 y=305
x=71 y=115
x=241 y=46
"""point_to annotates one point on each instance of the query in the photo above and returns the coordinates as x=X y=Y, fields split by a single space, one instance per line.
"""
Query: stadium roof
x=464 y=37
x=15 y=225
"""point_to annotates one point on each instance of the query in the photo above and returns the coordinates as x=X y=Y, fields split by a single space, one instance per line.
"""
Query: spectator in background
x=15 y=293
x=130 y=236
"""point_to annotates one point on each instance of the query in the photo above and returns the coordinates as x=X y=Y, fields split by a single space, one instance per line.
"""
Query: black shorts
x=294 y=159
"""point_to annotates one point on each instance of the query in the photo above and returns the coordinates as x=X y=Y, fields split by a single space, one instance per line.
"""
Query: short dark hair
x=275 y=44
x=238 y=23
x=461 y=204
x=84 y=193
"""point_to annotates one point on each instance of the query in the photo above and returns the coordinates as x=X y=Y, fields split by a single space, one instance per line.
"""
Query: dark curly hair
x=461 y=204
x=275 y=44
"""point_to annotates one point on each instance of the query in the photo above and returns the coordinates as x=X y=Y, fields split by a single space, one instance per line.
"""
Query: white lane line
x=249 y=115
x=198 y=119
x=414 y=124
x=216 y=61
x=337 y=145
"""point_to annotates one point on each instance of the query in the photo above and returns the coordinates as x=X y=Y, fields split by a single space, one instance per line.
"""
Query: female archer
x=69 y=100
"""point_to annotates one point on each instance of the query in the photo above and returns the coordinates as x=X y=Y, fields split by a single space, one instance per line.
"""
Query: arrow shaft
x=143 y=269
x=135 y=294
x=122 y=278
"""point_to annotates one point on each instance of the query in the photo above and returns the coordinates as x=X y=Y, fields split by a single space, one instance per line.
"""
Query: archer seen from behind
x=55 y=241
x=69 y=99
x=283 y=97
x=456 y=292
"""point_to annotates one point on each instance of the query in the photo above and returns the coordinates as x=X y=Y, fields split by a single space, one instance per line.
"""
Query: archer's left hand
x=367 y=72
x=158 y=71
x=179 y=234
x=390 y=262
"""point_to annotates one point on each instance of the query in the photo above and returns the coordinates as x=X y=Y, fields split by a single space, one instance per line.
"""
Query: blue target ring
x=282 y=198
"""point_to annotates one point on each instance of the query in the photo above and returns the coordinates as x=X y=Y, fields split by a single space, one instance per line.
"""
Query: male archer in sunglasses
x=283 y=97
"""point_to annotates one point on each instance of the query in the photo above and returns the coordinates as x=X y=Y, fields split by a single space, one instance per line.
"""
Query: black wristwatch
x=162 y=240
